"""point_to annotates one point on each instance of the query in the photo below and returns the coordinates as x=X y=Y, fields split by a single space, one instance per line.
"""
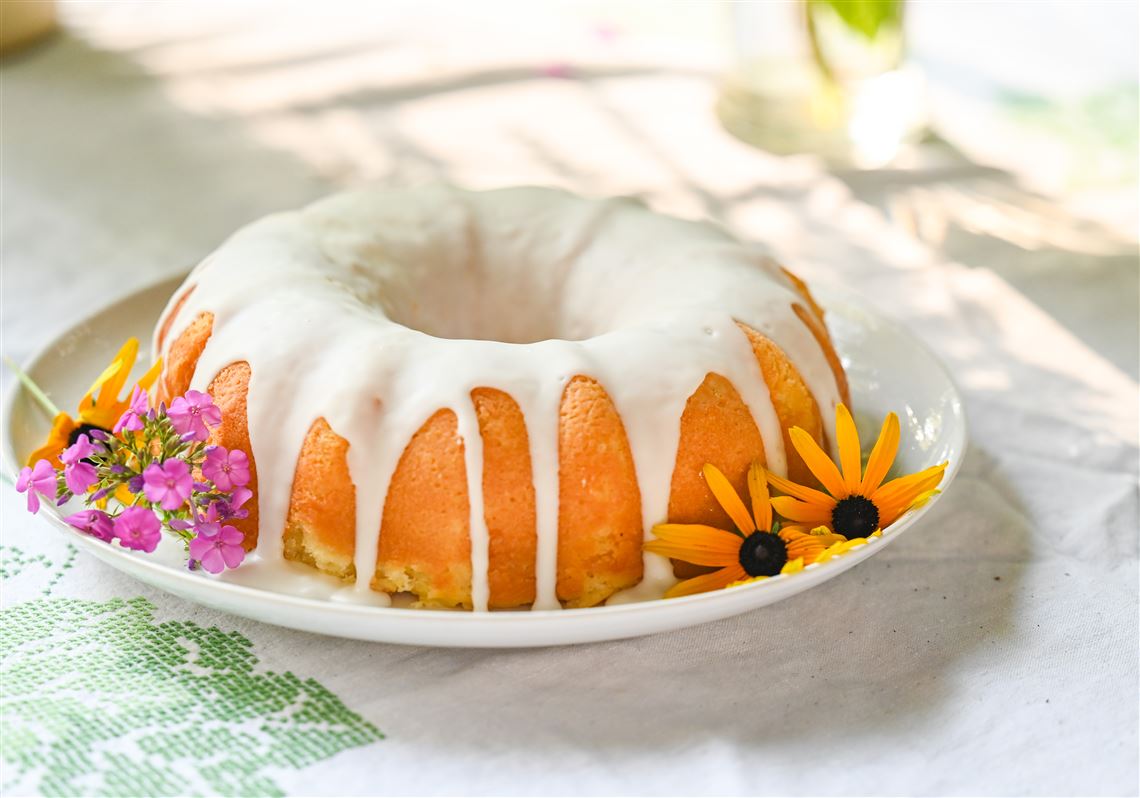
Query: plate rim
x=828 y=296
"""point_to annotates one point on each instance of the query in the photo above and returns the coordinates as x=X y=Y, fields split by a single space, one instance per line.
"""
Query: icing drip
x=480 y=537
x=540 y=408
x=362 y=310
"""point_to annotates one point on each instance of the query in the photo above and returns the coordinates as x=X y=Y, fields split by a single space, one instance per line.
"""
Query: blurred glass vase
x=24 y=22
x=824 y=77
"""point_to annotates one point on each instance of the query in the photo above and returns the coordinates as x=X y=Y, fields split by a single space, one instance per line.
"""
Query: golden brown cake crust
x=320 y=528
x=716 y=427
x=599 y=502
x=229 y=389
x=425 y=541
x=508 y=499
x=171 y=316
x=182 y=359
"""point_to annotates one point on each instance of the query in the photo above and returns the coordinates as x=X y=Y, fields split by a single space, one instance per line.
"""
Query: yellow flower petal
x=831 y=552
x=850 y=453
x=748 y=580
x=924 y=490
x=693 y=554
x=854 y=543
x=706 y=582
x=893 y=498
x=61 y=428
x=818 y=462
x=801 y=492
x=727 y=497
x=808 y=544
x=905 y=484
x=110 y=383
x=795 y=510
x=697 y=535
x=758 y=491
x=792 y=531
x=151 y=375
x=793 y=566
x=923 y=498
x=103 y=417
x=107 y=373
x=882 y=456
x=823 y=535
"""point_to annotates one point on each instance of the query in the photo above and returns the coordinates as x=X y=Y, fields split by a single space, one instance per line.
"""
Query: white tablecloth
x=993 y=650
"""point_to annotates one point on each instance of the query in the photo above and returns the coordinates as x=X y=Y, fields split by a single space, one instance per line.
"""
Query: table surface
x=992 y=651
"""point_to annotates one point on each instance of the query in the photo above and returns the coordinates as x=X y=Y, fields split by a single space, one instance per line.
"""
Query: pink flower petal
x=24 y=479
x=213 y=561
x=233 y=556
x=239 y=497
x=81 y=449
x=79 y=477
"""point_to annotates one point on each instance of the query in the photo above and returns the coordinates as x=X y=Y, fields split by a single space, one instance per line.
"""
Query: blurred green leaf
x=864 y=16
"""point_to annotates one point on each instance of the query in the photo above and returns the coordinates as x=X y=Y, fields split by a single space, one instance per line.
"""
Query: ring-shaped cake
x=487 y=399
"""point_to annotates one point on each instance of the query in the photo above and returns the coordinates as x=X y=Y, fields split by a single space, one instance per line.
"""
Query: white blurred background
x=152 y=109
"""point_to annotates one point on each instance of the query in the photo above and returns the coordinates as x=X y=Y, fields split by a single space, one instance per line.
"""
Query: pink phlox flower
x=95 y=523
x=217 y=548
x=208 y=521
x=80 y=450
x=36 y=481
x=207 y=529
x=226 y=468
x=239 y=497
x=79 y=477
x=78 y=474
x=169 y=484
x=210 y=515
x=192 y=414
x=232 y=508
x=133 y=419
x=138 y=528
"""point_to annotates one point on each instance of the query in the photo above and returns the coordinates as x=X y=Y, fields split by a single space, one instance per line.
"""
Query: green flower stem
x=30 y=385
x=817 y=55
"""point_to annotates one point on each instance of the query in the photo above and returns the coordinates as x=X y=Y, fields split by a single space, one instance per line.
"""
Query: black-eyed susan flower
x=754 y=550
x=857 y=503
x=99 y=409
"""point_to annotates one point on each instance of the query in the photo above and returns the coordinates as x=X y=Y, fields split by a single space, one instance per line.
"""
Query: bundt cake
x=487 y=399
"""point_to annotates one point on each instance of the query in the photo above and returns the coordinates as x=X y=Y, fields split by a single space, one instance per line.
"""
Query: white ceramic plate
x=888 y=370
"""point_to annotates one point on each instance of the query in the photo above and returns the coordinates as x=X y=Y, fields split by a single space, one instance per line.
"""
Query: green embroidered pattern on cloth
x=14 y=561
x=97 y=698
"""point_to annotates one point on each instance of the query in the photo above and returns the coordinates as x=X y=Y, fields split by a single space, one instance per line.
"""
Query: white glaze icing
x=373 y=310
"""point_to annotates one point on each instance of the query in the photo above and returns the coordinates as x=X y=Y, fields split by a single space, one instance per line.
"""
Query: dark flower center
x=763 y=554
x=855 y=517
x=87 y=429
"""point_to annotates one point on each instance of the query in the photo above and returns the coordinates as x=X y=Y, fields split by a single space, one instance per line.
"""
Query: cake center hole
x=506 y=311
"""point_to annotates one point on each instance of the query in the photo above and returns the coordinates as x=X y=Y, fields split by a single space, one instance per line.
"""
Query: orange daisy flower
x=99 y=408
x=756 y=549
x=857 y=503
